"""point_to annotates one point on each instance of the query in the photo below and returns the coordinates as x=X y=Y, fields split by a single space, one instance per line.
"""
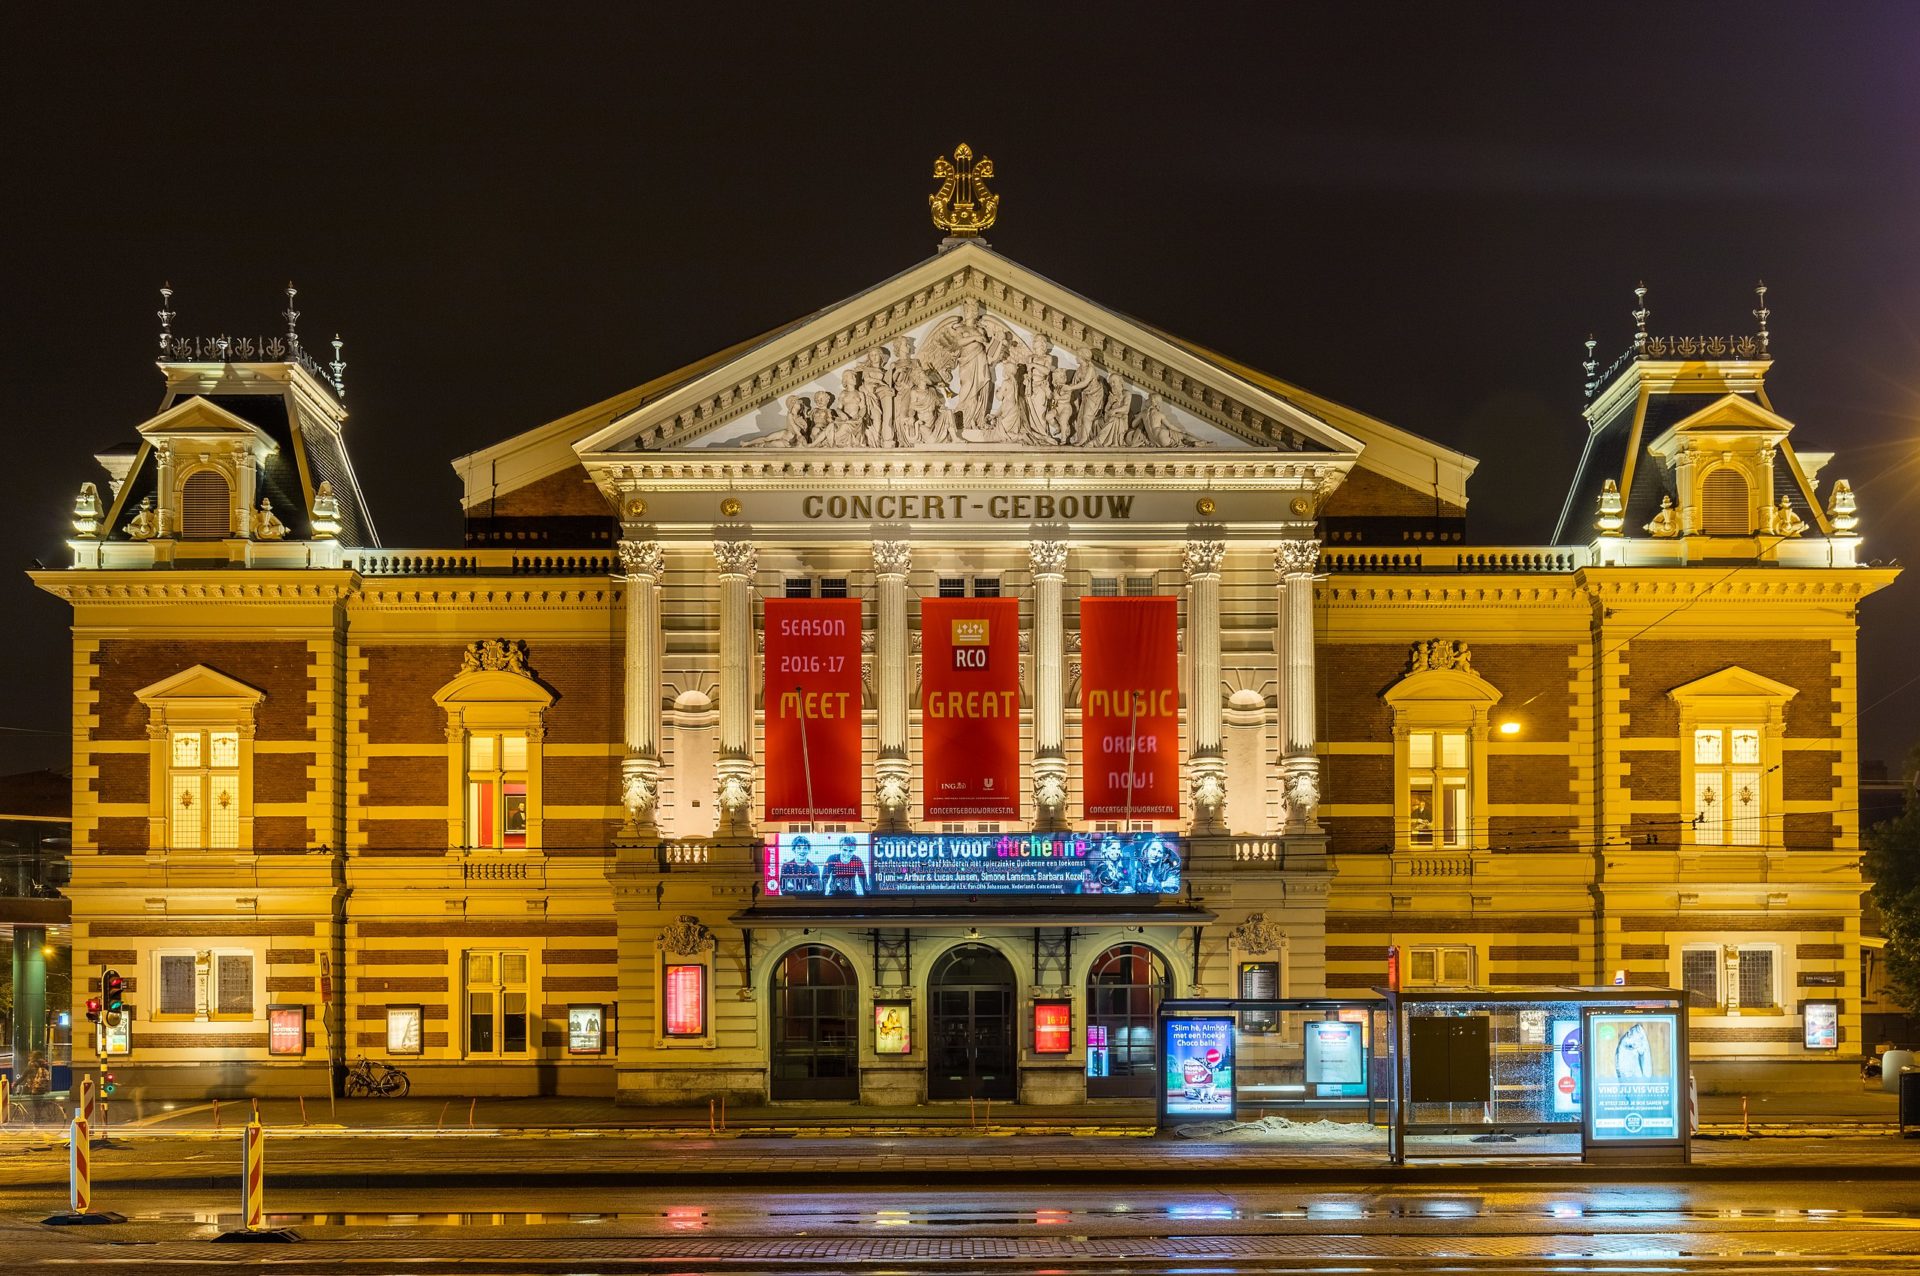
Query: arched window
x=1125 y=986
x=1724 y=507
x=206 y=507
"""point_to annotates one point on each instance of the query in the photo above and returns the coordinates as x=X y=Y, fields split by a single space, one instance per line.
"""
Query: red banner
x=1130 y=708
x=813 y=709
x=970 y=708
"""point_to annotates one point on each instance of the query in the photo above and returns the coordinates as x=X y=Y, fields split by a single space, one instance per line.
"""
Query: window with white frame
x=497 y=1015
x=232 y=985
x=1700 y=976
x=1439 y=966
x=1728 y=797
x=497 y=790
x=203 y=789
x=179 y=984
x=1757 y=974
x=1439 y=789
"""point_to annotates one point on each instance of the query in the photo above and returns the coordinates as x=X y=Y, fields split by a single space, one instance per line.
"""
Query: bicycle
x=370 y=1080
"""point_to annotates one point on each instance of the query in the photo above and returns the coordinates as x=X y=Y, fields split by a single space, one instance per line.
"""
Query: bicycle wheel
x=393 y=1084
x=356 y=1086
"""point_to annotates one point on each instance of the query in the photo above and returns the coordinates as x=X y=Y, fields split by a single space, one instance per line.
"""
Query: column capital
x=737 y=557
x=1047 y=557
x=643 y=559
x=1202 y=556
x=1296 y=558
x=892 y=557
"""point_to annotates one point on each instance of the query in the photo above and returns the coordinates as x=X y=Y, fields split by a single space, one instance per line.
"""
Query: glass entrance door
x=816 y=1026
x=972 y=1026
x=1124 y=989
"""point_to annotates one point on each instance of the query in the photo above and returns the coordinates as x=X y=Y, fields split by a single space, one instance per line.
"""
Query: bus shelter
x=1317 y=1058
x=1598 y=1070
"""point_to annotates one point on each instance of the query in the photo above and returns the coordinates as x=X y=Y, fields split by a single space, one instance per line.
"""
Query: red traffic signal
x=115 y=989
x=93 y=1010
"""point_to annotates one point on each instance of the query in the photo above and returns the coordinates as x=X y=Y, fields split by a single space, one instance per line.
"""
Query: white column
x=1048 y=559
x=1206 y=763
x=892 y=771
x=645 y=565
x=1294 y=564
x=738 y=560
x=244 y=498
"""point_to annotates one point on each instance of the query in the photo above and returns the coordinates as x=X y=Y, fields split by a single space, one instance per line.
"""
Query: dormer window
x=206 y=506
x=1725 y=509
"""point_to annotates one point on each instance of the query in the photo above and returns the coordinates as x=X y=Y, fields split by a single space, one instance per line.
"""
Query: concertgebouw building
x=899 y=705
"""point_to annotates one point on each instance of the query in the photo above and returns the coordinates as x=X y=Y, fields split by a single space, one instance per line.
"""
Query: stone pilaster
x=1206 y=761
x=893 y=771
x=645 y=566
x=738 y=559
x=1293 y=564
x=245 y=499
x=1048 y=560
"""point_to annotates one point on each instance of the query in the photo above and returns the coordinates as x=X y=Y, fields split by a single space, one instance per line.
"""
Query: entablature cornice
x=1137 y=470
x=82 y=586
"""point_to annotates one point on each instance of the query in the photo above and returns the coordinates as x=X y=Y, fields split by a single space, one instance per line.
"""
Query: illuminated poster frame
x=855 y=865
x=1563 y=1035
x=1633 y=1067
x=893 y=1027
x=1337 y=1059
x=683 y=1003
x=587 y=1028
x=284 y=1022
x=1053 y=1027
x=1820 y=1025
x=1197 y=1067
x=405 y=1030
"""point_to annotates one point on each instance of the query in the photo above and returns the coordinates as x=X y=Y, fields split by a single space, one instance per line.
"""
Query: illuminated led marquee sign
x=853 y=865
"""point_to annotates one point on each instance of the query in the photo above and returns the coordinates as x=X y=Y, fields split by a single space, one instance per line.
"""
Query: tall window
x=1727 y=805
x=1724 y=508
x=1438 y=785
x=497 y=791
x=496 y=1003
x=1440 y=966
x=1700 y=977
x=233 y=984
x=1757 y=990
x=203 y=790
x=179 y=994
x=206 y=508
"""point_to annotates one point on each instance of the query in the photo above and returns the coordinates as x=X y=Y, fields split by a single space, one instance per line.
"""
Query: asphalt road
x=1779 y=1227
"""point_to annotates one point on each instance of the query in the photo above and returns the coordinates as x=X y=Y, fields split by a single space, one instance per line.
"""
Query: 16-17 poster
x=1635 y=1066
x=1130 y=708
x=813 y=709
x=970 y=707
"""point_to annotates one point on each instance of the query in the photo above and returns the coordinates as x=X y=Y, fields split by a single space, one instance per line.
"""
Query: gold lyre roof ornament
x=963 y=205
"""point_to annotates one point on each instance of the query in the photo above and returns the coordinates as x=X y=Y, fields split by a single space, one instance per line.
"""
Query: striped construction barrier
x=253 y=1188
x=80 y=1181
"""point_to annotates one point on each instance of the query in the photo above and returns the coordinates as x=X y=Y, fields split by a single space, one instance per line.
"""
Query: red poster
x=686 y=1001
x=1130 y=708
x=813 y=709
x=1052 y=1027
x=970 y=708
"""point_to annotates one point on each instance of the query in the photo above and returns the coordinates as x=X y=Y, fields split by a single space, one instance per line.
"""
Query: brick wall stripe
x=401 y=983
x=289 y=956
x=402 y=957
x=1415 y=924
x=158 y=928
x=581 y=956
x=1727 y=921
x=441 y=930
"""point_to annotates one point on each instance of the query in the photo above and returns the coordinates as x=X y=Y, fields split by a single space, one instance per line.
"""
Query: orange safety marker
x=303 y=1111
x=6 y=1098
x=216 y=1114
x=87 y=1099
x=253 y=1187
x=471 y=1105
x=80 y=1181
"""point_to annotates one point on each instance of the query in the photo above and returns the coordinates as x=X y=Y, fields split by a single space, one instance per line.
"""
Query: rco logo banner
x=1130 y=708
x=970 y=708
x=813 y=709
x=852 y=865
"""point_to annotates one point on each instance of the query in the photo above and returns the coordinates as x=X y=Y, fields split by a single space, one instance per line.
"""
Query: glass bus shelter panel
x=1506 y=1064
x=1324 y=1060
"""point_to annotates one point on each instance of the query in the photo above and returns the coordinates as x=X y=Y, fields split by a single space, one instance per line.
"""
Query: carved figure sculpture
x=1303 y=796
x=970 y=349
x=1667 y=522
x=145 y=524
x=87 y=511
x=326 y=512
x=1038 y=377
x=1159 y=428
x=795 y=432
x=1115 y=421
x=1093 y=401
x=266 y=524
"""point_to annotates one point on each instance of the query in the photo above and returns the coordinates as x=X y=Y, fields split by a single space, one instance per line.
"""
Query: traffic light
x=106 y=1083
x=93 y=1010
x=114 y=989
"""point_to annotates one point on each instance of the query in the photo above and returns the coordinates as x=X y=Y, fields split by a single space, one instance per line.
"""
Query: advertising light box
x=1565 y=1035
x=1822 y=1025
x=586 y=1029
x=1199 y=1068
x=1633 y=1065
x=892 y=1027
x=852 y=865
x=1052 y=1027
x=286 y=1030
x=686 y=1009
x=1336 y=1059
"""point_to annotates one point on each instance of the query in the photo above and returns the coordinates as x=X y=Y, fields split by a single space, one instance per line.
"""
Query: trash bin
x=1890 y=1064
x=1909 y=1099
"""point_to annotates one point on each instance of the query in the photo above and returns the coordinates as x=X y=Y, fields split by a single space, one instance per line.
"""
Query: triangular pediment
x=200 y=685
x=969 y=352
x=1731 y=683
x=198 y=418
x=1730 y=414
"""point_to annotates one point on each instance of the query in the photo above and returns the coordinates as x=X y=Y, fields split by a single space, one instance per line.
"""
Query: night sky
x=1421 y=210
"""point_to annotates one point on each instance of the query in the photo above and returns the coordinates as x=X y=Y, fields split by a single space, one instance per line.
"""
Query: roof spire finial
x=338 y=369
x=166 y=315
x=1763 y=314
x=292 y=317
x=1640 y=314
x=1590 y=365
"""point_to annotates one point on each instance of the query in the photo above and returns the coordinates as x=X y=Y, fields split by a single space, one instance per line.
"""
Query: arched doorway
x=816 y=1026
x=971 y=1025
x=1125 y=986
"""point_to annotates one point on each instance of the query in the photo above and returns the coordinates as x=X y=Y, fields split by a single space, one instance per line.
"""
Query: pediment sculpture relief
x=973 y=379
